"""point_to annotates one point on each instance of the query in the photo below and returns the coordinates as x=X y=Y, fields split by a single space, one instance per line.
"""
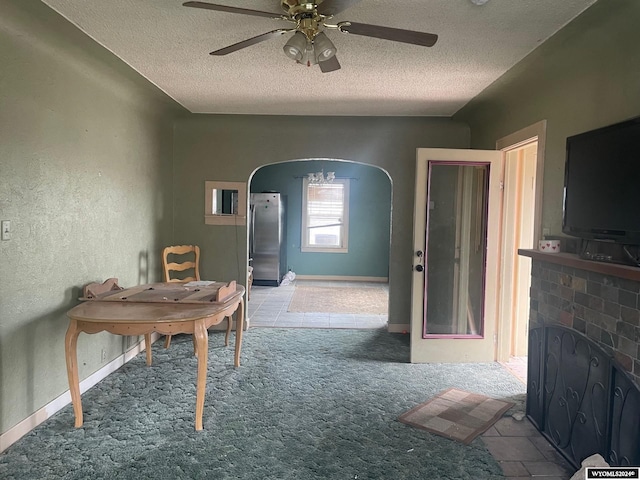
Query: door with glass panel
x=455 y=255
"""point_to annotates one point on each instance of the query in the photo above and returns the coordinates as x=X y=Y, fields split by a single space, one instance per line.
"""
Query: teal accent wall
x=86 y=148
x=369 y=217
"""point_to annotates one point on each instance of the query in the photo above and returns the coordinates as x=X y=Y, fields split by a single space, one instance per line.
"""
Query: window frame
x=304 y=244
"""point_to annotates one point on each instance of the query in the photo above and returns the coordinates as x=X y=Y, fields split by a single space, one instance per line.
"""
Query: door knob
x=419 y=268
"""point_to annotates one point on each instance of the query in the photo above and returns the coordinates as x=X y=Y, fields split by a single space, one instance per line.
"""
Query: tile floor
x=520 y=449
x=267 y=307
x=522 y=452
x=518 y=367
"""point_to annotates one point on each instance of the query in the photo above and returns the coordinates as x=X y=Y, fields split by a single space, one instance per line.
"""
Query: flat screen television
x=602 y=184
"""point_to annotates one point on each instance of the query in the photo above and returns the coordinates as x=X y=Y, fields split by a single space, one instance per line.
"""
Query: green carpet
x=305 y=404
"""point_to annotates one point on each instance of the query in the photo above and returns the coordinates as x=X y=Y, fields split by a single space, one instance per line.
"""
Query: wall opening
x=359 y=277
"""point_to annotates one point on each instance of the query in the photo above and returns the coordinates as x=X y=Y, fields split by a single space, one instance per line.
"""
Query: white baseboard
x=18 y=431
x=398 y=327
x=340 y=278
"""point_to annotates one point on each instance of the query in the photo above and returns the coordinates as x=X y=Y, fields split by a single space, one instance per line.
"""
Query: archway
x=361 y=269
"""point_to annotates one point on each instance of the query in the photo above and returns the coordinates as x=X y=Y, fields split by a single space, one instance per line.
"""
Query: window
x=325 y=216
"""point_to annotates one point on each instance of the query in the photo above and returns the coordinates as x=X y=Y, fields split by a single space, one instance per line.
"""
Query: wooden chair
x=170 y=266
x=192 y=262
x=189 y=260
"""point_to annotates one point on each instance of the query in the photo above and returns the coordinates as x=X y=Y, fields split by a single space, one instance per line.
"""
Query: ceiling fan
x=309 y=45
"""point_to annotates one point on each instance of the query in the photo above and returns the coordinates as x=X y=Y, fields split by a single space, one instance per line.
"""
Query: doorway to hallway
x=521 y=228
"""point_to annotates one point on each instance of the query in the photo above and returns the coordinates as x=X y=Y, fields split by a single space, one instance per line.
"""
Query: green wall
x=586 y=76
x=86 y=181
x=96 y=165
x=369 y=217
x=232 y=147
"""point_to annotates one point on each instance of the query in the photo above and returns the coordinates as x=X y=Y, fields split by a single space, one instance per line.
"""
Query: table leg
x=239 y=330
x=147 y=347
x=228 y=334
x=201 y=339
x=71 y=355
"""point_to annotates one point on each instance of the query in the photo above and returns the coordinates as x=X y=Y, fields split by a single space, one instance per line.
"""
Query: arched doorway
x=334 y=287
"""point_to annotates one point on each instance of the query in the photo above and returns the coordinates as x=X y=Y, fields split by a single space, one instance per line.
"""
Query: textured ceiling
x=169 y=45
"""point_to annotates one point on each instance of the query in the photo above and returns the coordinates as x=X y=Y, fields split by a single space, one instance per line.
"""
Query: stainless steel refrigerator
x=267 y=244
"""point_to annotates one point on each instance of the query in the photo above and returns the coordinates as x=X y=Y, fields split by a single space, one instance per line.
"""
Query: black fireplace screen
x=581 y=400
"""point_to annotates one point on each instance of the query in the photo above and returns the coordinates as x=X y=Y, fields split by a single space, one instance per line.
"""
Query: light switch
x=5 y=227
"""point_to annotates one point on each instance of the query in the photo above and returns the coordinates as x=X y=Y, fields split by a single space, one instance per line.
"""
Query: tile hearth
x=523 y=453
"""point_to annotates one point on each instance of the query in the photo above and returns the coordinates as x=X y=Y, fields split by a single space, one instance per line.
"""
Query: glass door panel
x=455 y=252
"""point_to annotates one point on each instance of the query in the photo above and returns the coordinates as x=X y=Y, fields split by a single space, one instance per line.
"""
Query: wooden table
x=168 y=316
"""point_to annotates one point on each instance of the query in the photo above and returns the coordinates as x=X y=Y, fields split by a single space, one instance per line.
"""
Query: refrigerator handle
x=252 y=209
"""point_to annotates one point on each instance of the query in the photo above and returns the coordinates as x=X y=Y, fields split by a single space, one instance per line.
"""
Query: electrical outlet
x=103 y=356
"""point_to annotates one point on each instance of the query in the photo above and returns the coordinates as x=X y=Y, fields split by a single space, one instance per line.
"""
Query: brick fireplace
x=584 y=359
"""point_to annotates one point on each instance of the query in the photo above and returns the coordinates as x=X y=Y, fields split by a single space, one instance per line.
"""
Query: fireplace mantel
x=571 y=260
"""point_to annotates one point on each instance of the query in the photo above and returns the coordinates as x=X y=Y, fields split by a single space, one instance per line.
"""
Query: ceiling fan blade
x=388 y=33
x=330 y=8
x=250 y=41
x=224 y=8
x=330 y=65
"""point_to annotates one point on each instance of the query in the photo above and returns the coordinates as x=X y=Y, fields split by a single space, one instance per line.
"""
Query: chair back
x=189 y=260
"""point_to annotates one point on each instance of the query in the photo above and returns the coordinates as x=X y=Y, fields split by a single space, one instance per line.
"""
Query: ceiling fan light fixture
x=296 y=46
x=309 y=45
x=324 y=48
x=309 y=57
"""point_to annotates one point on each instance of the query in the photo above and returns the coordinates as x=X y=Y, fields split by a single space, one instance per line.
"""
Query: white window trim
x=344 y=248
